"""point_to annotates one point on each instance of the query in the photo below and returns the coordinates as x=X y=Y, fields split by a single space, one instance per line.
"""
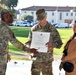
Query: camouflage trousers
x=2 y=68
x=3 y=64
x=44 y=67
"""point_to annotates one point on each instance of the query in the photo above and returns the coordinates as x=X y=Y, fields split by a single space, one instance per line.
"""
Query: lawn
x=22 y=34
x=65 y=34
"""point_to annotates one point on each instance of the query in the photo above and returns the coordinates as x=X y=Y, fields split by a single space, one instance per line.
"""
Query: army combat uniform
x=6 y=35
x=43 y=62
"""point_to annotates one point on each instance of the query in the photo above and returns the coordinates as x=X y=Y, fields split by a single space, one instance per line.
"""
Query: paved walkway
x=22 y=67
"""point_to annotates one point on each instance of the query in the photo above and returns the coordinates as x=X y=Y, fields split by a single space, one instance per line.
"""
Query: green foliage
x=14 y=13
x=23 y=16
x=21 y=31
x=21 y=34
x=65 y=34
x=3 y=2
x=29 y=17
x=26 y=17
x=12 y=3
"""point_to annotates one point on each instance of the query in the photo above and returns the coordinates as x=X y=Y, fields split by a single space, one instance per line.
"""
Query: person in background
x=43 y=62
x=6 y=35
x=69 y=53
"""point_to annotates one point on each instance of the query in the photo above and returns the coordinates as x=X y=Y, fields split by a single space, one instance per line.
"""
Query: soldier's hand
x=8 y=57
x=49 y=45
x=33 y=50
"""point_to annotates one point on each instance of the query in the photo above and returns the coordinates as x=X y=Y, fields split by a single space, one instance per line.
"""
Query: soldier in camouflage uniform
x=43 y=62
x=6 y=34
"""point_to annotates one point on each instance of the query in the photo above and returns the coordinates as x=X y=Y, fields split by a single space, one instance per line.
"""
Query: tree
x=3 y=3
x=26 y=17
x=12 y=3
x=23 y=16
x=29 y=17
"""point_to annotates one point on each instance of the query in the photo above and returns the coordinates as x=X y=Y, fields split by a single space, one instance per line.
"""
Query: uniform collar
x=46 y=26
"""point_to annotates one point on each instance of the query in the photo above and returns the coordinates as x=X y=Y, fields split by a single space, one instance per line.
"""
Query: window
x=32 y=12
x=52 y=21
x=71 y=14
x=53 y=14
x=66 y=14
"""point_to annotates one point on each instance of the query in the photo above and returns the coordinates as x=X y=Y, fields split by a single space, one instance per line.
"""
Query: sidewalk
x=22 y=67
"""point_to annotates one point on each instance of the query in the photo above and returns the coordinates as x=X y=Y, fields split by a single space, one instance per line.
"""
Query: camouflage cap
x=40 y=14
x=5 y=11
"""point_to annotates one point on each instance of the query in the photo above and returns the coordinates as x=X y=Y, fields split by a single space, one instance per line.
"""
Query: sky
x=28 y=3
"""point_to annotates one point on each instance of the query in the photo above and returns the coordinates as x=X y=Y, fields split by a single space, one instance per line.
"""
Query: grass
x=65 y=33
x=22 y=34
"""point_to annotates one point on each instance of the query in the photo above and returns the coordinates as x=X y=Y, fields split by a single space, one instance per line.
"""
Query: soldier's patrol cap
x=5 y=11
x=40 y=14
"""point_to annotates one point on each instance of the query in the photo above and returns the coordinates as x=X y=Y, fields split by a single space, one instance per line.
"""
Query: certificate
x=39 y=40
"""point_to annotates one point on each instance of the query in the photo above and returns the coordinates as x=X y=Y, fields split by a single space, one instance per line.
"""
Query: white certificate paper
x=39 y=40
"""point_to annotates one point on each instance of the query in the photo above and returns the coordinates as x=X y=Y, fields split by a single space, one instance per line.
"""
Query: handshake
x=33 y=50
x=30 y=50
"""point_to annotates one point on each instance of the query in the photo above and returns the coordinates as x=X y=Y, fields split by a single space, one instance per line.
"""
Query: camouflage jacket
x=54 y=38
x=6 y=35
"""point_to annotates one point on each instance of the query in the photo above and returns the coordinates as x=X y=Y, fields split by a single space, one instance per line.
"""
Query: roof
x=50 y=8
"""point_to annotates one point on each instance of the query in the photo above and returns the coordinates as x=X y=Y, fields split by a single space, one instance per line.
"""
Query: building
x=54 y=14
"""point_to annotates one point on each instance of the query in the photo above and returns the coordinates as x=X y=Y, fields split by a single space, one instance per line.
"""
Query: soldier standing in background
x=6 y=34
x=43 y=62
